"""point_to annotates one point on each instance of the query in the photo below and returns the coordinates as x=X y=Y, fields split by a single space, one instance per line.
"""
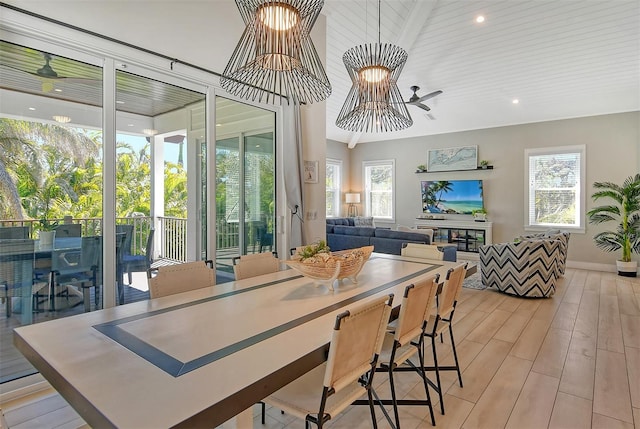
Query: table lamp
x=352 y=200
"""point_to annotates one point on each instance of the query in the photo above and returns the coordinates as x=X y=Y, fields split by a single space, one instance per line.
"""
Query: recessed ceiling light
x=479 y=19
x=217 y=125
x=150 y=132
x=32 y=108
x=61 y=119
x=57 y=90
x=130 y=125
x=515 y=101
x=119 y=102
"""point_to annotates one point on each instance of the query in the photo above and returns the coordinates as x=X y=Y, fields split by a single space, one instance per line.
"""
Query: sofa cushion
x=330 y=228
x=402 y=235
x=362 y=231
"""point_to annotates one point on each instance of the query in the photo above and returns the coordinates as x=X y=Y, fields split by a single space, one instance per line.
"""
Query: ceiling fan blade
x=430 y=95
x=423 y=106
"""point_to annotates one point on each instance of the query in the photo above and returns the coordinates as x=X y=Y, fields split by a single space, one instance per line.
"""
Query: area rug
x=474 y=281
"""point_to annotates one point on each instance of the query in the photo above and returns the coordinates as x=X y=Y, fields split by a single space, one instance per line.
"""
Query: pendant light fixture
x=275 y=56
x=374 y=103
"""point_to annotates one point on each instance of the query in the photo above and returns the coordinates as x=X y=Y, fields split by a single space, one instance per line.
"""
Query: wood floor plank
x=566 y=316
x=609 y=327
x=636 y=417
x=553 y=352
x=626 y=302
x=630 y=330
x=535 y=403
x=512 y=327
x=462 y=327
x=529 y=342
x=479 y=373
x=574 y=291
x=457 y=412
x=587 y=317
x=578 y=375
x=603 y=422
x=633 y=372
x=511 y=303
x=571 y=412
x=488 y=327
x=494 y=406
x=612 y=397
x=593 y=281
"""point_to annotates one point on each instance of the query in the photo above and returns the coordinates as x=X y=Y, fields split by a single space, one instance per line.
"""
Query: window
x=555 y=187
x=379 y=178
x=334 y=180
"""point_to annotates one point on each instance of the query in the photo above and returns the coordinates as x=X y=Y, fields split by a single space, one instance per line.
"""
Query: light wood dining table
x=199 y=358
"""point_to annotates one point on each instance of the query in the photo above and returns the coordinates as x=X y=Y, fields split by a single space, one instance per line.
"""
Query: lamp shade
x=275 y=56
x=352 y=198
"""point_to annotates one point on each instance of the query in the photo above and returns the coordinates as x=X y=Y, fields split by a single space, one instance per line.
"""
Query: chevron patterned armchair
x=528 y=268
x=563 y=236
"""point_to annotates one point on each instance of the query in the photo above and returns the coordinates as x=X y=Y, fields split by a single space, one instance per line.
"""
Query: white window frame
x=529 y=202
x=337 y=190
x=367 y=192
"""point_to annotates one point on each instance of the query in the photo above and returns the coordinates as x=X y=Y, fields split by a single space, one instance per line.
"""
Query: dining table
x=199 y=358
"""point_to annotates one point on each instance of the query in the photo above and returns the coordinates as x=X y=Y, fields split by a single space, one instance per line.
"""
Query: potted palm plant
x=624 y=209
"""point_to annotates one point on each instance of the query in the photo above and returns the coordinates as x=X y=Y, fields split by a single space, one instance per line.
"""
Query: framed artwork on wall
x=452 y=158
x=311 y=172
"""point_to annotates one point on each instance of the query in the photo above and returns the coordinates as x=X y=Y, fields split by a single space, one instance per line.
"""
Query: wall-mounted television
x=451 y=196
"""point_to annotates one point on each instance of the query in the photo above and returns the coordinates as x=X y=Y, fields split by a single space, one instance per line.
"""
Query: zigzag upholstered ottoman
x=527 y=268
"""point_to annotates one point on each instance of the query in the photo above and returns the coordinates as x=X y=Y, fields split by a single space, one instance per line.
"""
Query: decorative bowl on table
x=327 y=267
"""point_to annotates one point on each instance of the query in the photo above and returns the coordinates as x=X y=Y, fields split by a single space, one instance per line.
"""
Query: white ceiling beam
x=416 y=21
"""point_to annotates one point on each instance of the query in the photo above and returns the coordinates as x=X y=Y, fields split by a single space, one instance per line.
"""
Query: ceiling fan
x=47 y=74
x=415 y=100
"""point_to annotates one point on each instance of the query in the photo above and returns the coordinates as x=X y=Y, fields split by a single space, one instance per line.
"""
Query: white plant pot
x=627 y=269
x=480 y=217
x=46 y=239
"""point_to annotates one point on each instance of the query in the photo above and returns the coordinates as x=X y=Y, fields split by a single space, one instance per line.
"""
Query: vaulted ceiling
x=559 y=58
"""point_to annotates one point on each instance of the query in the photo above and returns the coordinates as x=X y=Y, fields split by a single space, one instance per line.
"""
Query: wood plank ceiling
x=559 y=58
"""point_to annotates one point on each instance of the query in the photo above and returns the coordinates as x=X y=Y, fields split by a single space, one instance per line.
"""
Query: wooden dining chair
x=407 y=340
x=442 y=321
x=172 y=279
x=68 y=230
x=324 y=392
x=257 y=264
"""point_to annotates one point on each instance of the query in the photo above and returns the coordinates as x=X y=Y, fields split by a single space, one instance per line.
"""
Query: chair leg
x=372 y=409
x=263 y=406
x=393 y=397
x=423 y=374
x=435 y=364
x=455 y=355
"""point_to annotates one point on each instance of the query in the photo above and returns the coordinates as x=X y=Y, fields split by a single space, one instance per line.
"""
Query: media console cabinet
x=468 y=235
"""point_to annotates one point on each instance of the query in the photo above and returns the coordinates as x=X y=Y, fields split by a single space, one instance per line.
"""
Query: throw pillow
x=363 y=221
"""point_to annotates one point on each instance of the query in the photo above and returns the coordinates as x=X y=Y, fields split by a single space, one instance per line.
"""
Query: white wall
x=338 y=150
x=612 y=154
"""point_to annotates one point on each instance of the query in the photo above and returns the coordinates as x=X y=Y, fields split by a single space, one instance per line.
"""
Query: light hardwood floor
x=572 y=361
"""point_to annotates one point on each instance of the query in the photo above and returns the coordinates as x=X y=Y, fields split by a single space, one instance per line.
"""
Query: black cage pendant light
x=374 y=103
x=275 y=56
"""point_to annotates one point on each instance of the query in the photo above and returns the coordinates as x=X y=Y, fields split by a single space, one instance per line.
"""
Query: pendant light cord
x=379 y=1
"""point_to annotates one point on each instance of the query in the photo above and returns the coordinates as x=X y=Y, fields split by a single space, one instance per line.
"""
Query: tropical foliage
x=624 y=209
x=49 y=171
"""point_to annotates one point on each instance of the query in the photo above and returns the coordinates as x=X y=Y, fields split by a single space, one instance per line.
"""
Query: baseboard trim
x=608 y=268
x=22 y=388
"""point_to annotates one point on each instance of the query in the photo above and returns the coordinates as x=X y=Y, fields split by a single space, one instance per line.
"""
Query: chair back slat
x=417 y=304
x=16 y=263
x=356 y=341
x=451 y=289
x=255 y=265
x=179 y=278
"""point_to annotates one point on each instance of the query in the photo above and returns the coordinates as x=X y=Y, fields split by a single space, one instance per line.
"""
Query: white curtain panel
x=293 y=165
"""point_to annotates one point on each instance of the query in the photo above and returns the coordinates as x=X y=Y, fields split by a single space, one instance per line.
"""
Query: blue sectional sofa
x=343 y=234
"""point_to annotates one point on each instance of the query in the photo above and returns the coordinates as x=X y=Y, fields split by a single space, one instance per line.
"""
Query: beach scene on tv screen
x=451 y=196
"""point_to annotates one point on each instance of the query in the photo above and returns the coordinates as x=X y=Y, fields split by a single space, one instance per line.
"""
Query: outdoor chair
x=138 y=263
x=16 y=273
x=442 y=321
x=78 y=268
x=14 y=232
x=68 y=230
x=257 y=264
x=172 y=279
x=324 y=392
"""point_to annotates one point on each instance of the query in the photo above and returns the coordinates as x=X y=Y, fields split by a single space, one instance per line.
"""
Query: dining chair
x=14 y=232
x=138 y=263
x=172 y=279
x=68 y=230
x=257 y=264
x=407 y=340
x=16 y=272
x=324 y=392
x=78 y=268
x=442 y=321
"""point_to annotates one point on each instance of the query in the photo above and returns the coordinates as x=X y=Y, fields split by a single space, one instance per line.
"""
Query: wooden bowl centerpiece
x=318 y=263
